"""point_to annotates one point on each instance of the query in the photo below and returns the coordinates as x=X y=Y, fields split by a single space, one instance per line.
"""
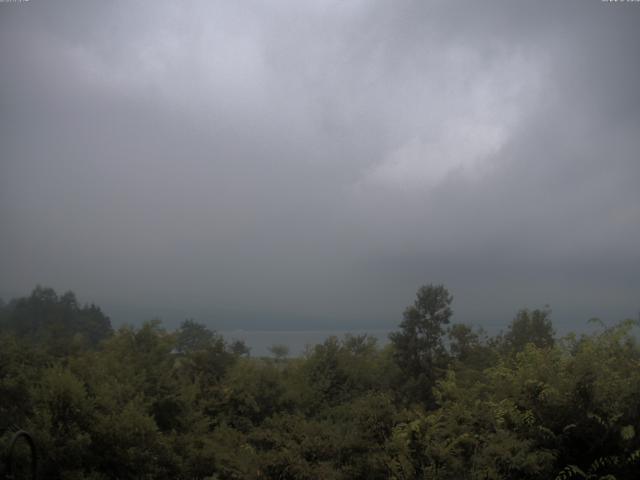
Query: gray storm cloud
x=312 y=165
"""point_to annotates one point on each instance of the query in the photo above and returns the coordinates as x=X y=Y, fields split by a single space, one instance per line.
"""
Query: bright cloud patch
x=479 y=108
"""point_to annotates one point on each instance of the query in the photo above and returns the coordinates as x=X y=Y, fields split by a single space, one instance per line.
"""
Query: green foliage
x=148 y=403
x=418 y=346
x=530 y=327
x=254 y=391
x=193 y=337
x=58 y=322
x=337 y=371
x=63 y=417
x=280 y=352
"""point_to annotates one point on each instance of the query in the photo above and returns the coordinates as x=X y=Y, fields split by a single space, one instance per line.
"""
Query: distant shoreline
x=259 y=341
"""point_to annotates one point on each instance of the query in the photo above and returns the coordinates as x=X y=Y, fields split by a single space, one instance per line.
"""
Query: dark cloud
x=310 y=165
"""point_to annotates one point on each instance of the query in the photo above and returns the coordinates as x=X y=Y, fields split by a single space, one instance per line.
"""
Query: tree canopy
x=418 y=346
x=146 y=402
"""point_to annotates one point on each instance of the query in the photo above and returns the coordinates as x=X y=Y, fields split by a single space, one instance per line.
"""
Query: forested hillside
x=441 y=401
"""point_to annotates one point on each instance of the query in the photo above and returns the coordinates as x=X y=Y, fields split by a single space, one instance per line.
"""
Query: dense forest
x=440 y=401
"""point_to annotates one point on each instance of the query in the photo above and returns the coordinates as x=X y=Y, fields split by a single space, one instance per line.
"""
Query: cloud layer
x=312 y=165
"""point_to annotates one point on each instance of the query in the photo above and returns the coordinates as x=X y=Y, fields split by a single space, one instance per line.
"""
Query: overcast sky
x=264 y=164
